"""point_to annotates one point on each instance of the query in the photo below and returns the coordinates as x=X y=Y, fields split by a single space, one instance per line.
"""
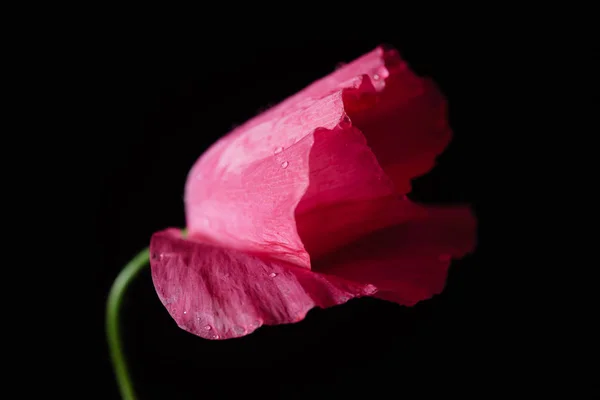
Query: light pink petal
x=242 y=193
x=405 y=124
x=249 y=190
x=408 y=262
x=219 y=293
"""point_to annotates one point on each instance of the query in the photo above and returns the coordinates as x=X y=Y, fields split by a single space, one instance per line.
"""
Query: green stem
x=113 y=305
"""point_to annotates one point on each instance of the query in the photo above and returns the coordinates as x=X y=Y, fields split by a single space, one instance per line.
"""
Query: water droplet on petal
x=185 y=312
x=345 y=122
x=444 y=257
x=376 y=77
x=284 y=164
x=215 y=336
x=272 y=274
x=208 y=327
x=278 y=150
x=370 y=289
x=239 y=330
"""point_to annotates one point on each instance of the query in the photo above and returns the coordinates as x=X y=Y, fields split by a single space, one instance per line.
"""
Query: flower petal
x=407 y=262
x=219 y=293
x=315 y=182
x=347 y=192
x=405 y=123
x=360 y=170
x=360 y=133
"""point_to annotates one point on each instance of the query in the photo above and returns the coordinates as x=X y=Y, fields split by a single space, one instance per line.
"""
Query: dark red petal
x=219 y=293
x=408 y=262
x=348 y=195
x=405 y=124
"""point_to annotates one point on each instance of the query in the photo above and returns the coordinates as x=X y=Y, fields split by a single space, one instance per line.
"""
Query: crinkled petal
x=220 y=293
x=407 y=262
x=405 y=124
x=244 y=190
x=319 y=182
x=358 y=134
x=360 y=170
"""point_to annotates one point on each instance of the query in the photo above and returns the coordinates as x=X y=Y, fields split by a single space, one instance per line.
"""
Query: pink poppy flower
x=304 y=206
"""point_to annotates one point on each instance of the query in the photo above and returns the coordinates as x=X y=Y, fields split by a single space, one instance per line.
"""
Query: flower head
x=305 y=205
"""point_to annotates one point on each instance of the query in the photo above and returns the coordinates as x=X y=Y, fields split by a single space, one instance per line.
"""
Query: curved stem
x=115 y=298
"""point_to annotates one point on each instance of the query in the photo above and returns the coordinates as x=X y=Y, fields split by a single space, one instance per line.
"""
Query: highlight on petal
x=305 y=206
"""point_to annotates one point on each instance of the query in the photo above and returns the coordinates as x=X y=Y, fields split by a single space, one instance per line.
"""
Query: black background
x=151 y=108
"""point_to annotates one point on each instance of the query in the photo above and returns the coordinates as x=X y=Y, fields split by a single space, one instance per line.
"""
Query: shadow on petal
x=407 y=262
